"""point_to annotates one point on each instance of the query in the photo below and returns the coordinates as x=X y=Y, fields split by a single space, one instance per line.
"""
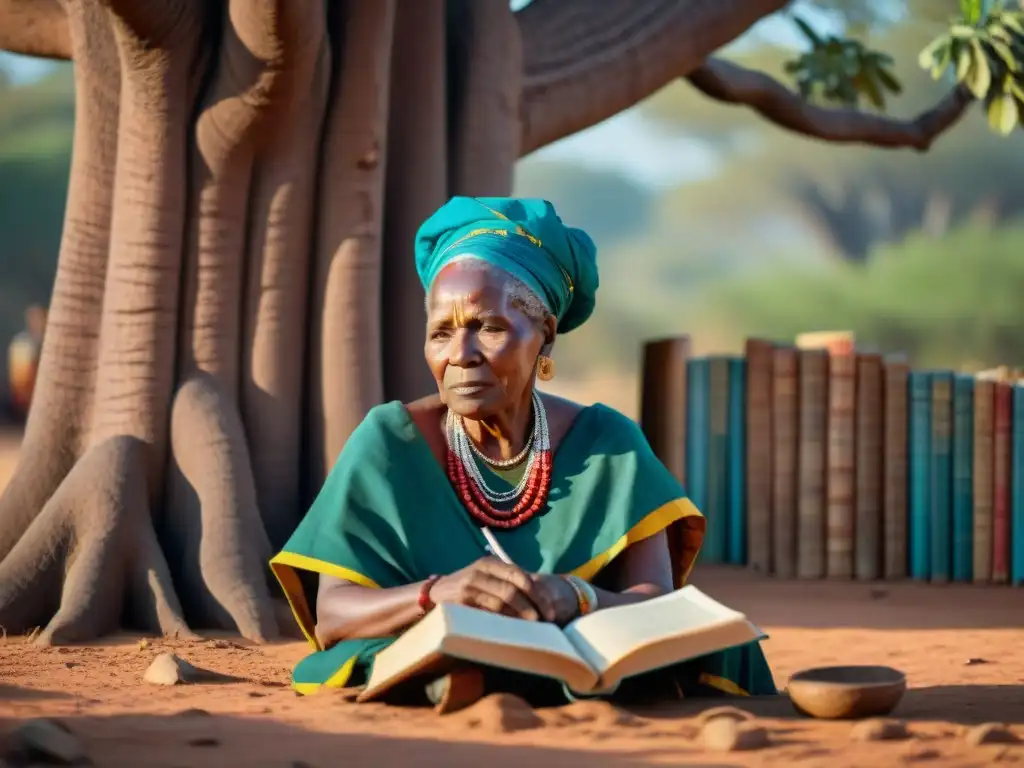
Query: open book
x=590 y=655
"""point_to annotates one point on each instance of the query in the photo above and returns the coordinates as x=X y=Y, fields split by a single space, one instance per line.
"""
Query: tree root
x=91 y=549
x=212 y=528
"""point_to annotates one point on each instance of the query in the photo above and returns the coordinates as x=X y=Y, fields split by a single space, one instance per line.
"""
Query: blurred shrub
x=954 y=302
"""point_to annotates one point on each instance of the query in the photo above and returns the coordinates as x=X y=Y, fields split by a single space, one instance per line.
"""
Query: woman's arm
x=643 y=571
x=347 y=611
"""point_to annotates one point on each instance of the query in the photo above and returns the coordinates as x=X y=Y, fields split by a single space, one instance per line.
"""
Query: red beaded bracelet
x=424 y=601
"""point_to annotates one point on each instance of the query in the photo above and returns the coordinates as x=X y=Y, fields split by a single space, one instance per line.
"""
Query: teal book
x=942 y=477
x=963 y=478
x=919 y=435
x=698 y=382
x=1017 y=488
x=737 y=477
x=715 y=549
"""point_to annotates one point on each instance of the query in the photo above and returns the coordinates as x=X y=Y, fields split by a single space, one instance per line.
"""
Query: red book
x=1001 y=484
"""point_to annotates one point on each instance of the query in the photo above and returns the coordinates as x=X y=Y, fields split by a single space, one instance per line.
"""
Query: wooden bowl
x=836 y=693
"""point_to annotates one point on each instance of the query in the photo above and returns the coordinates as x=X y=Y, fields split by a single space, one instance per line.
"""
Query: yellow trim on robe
x=284 y=565
x=654 y=523
x=338 y=680
x=723 y=684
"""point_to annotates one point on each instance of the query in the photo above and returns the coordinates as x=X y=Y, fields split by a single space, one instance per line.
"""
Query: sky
x=627 y=143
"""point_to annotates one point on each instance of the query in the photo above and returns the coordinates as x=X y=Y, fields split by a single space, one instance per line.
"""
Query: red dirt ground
x=928 y=632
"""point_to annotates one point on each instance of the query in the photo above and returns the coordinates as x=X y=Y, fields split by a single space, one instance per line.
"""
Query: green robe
x=387 y=516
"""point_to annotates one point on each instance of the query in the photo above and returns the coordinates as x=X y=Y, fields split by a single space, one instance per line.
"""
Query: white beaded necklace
x=464 y=449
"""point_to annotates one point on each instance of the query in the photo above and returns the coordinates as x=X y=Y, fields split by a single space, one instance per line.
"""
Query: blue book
x=716 y=539
x=963 y=477
x=737 y=486
x=1017 y=488
x=919 y=435
x=698 y=383
x=942 y=476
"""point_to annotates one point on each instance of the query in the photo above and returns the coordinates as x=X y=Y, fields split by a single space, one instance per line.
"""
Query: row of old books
x=819 y=460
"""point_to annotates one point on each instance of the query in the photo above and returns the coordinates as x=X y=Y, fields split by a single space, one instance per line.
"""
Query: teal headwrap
x=525 y=238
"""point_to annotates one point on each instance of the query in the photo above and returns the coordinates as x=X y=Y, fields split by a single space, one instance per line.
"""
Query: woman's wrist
x=423 y=599
x=586 y=596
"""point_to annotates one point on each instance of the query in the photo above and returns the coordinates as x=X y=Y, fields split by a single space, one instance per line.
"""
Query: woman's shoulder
x=596 y=418
x=384 y=423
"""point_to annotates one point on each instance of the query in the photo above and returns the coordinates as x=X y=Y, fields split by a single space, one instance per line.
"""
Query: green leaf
x=809 y=33
x=979 y=78
x=889 y=81
x=926 y=59
x=867 y=85
x=971 y=10
x=1003 y=114
x=1017 y=89
x=1005 y=54
x=964 y=62
x=963 y=32
x=1013 y=20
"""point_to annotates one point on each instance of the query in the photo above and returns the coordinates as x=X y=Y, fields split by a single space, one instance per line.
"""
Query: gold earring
x=545 y=368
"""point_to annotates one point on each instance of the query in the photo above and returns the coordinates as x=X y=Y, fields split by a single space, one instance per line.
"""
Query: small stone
x=724 y=734
x=204 y=741
x=169 y=669
x=45 y=741
x=974 y=661
x=732 y=713
x=917 y=754
x=143 y=644
x=879 y=729
x=990 y=733
x=500 y=713
x=596 y=712
x=193 y=712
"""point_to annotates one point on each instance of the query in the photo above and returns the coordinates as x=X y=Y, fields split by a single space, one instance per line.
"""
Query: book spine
x=812 y=378
x=919 y=470
x=759 y=355
x=868 y=469
x=840 y=462
x=737 y=505
x=963 y=489
x=697 y=430
x=1017 y=488
x=942 y=477
x=984 y=443
x=784 y=453
x=1001 y=483
x=895 y=450
x=663 y=402
x=717 y=536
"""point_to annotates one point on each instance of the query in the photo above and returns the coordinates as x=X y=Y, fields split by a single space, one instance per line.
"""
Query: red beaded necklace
x=474 y=498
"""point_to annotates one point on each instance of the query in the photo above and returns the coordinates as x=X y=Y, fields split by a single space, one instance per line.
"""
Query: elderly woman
x=489 y=493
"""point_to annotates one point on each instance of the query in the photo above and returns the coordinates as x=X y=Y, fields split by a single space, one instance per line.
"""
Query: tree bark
x=35 y=28
x=417 y=139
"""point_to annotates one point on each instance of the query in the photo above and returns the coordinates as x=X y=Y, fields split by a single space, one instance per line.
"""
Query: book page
x=456 y=631
x=685 y=624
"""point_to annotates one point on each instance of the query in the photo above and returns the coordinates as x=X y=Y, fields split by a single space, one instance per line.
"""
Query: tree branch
x=586 y=60
x=35 y=28
x=732 y=84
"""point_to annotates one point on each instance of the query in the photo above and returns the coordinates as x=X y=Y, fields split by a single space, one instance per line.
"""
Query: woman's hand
x=561 y=595
x=499 y=587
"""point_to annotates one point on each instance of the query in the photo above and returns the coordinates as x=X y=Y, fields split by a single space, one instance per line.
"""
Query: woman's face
x=481 y=348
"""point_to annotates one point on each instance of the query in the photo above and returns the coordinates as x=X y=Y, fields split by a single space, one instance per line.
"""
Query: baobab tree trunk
x=235 y=287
